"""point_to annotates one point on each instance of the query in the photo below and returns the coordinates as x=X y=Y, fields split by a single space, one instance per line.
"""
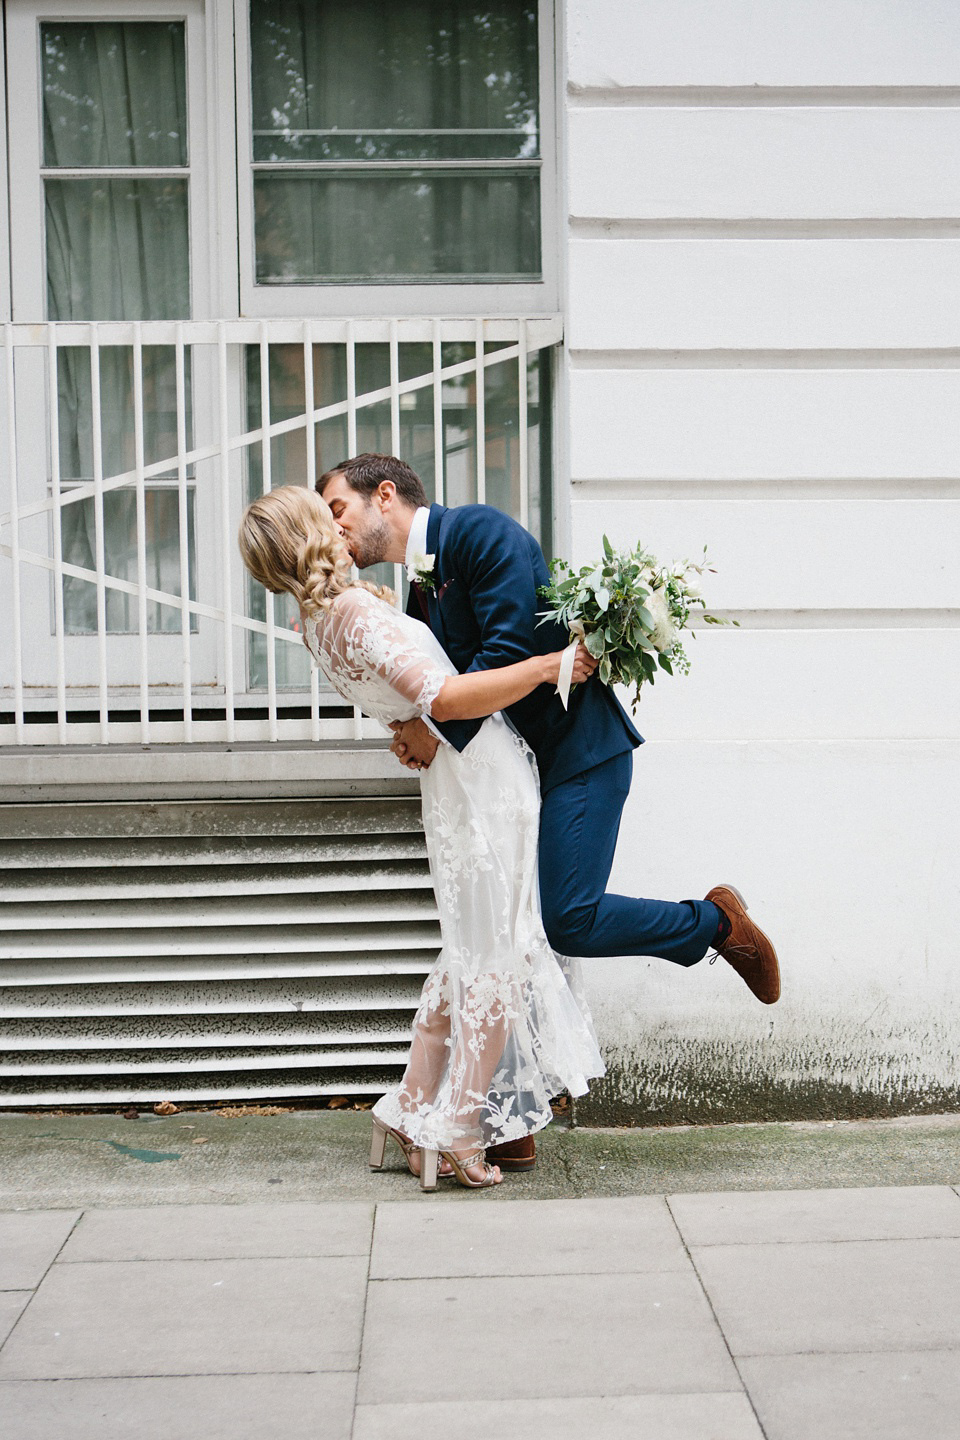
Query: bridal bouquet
x=629 y=611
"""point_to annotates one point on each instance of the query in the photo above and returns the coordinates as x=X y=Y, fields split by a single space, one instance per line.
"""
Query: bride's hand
x=583 y=666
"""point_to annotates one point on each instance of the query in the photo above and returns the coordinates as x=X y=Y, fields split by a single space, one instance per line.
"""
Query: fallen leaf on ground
x=166 y=1107
x=338 y=1102
x=200 y=1140
x=236 y=1112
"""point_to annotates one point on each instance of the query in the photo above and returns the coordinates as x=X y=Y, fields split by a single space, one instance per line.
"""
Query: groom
x=478 y=593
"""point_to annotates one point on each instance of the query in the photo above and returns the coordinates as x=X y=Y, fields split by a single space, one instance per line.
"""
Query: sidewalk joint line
x=35 y=1289
x=716 y=1317
x=363 y=1319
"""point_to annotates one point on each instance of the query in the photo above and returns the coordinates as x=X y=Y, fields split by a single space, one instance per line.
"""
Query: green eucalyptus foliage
x=629 y=610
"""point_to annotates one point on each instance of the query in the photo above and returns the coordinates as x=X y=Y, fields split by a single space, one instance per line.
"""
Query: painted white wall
x=763 y=354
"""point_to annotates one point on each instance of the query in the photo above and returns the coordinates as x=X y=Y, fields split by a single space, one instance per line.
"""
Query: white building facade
x=686 y=271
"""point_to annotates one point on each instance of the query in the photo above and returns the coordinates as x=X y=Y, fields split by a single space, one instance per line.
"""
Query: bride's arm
x=364 y=634
x=483 y=692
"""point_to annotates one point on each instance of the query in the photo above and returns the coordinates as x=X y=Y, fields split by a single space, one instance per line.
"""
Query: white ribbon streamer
x=566 y=664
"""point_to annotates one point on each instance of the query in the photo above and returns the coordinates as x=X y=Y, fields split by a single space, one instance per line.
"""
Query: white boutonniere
x=420 y=572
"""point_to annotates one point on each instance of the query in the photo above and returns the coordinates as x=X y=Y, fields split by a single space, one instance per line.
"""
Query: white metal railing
x=58 y=687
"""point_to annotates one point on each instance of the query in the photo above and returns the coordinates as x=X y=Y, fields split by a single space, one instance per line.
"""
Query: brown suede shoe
x=513 y=1154
x=746 y=948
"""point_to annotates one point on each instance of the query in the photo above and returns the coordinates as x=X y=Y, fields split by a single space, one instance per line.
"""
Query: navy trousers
x=579 y=824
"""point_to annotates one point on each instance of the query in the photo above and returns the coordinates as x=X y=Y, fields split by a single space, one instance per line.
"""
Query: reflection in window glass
x=114 y=94
x=414 y=130
x=417 y=446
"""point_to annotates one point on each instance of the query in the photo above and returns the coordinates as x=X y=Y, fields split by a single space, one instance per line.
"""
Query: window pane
x=117 y=250
x=377 y=84
x=120 y=549
x=114 y=94
x=422 y=67
x=424 y=226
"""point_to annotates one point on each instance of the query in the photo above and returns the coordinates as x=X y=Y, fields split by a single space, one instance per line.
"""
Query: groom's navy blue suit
x=484 y=611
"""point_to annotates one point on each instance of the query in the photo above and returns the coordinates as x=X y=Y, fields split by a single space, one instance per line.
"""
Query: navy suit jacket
x=485 y=611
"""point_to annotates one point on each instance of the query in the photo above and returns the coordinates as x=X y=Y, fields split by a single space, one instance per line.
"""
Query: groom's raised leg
x=579 y=824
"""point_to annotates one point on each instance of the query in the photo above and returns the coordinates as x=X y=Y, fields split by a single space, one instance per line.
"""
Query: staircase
x=209 y=950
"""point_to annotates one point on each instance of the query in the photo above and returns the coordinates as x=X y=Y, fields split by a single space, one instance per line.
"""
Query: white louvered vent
x=210 y=949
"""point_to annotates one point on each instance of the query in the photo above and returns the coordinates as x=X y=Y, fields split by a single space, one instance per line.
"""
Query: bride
x=502 y=1025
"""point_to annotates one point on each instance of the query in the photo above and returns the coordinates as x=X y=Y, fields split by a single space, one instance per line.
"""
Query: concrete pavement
x=201 y=1157
x=692 y=1314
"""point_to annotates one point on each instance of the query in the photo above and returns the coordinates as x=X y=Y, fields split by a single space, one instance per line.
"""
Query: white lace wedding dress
x=502 y=1024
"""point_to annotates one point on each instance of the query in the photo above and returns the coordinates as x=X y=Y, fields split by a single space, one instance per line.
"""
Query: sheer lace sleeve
x=363 y=641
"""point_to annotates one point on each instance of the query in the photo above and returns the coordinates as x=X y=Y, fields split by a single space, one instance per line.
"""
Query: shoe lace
x=734 y=952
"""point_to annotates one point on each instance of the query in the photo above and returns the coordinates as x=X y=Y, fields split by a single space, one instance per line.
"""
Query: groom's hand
x=414 y=744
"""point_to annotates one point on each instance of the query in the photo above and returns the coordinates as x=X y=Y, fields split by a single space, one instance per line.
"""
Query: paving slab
x=553 y=1237
x=601 y=1417
x=777 y=1216
x=190 y=1317
x=29 y=1243
x=557 y=1335
x=12 y=1305
x=211 y=1232
x=853 y=1296
x=899 y=1396
x=208 y=1407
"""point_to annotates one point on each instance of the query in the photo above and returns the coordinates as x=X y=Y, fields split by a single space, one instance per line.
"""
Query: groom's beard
x=369 y=546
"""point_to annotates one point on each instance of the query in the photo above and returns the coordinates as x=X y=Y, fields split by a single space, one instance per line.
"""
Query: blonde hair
x=289 y=541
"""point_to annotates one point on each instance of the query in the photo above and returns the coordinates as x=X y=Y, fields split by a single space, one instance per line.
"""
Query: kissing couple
x=521 y=803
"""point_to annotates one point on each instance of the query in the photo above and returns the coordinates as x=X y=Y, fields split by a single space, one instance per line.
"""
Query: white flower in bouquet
x=665 y=632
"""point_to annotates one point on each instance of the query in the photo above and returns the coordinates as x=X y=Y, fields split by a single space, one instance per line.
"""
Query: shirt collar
x=417 y=539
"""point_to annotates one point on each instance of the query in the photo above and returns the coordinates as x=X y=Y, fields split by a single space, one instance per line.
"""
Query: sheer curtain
x=117 y=247
x=381 y=86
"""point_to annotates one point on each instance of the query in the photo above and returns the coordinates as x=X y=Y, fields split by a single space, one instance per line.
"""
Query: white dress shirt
x=417 y=545
x=417 y=539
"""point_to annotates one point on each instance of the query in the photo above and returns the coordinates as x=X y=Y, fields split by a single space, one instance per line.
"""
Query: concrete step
x=86 y=956
x=113 y=1034
x=112 y=1006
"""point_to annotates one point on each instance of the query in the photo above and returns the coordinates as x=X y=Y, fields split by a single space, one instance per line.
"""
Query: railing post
x=226 y=535
x=311 y=443
x=56 y=517
x=16 y=618
x=138 y=447
x=351 y=359
x=99 y=543
x=439 y=456
x=481 y=418
x=266 y=466
x=184 y=525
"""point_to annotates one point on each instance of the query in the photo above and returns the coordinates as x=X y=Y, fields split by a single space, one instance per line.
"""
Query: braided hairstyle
x=289 y=541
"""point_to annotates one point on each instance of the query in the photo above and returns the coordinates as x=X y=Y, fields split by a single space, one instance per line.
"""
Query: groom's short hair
x=366 y=473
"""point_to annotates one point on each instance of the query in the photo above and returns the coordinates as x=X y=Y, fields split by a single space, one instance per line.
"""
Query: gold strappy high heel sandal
x=378 y=1143
x=459 y=1165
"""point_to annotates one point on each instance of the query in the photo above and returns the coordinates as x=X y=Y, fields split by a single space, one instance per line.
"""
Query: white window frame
x=440 y=298
x=6 y=308
x=208 y=45
x=206 y=230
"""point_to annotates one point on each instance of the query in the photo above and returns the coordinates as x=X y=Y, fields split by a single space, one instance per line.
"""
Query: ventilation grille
x=210 y=950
